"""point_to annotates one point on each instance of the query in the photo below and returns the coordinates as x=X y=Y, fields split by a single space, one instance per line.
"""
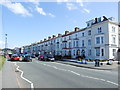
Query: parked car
x=27 y=57
x=14 y=57
x=50 y=57
x=41 y=57
x=9 y=56
x=33 y=56
x=110 y=62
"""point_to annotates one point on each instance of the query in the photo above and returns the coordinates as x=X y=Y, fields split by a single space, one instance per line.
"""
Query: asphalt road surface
x=40 y=74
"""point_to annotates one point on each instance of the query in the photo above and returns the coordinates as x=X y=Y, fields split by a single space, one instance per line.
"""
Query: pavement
x=10 y=78
x=0 y=79
x=90 y=65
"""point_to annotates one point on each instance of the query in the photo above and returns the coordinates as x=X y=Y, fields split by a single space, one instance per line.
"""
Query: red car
x=41 y=57
x=15 y=57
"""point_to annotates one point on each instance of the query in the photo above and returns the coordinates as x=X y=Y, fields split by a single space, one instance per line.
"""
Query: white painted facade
x=99 y=40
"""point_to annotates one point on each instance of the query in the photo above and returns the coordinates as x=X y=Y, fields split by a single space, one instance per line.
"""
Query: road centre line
x=80 y=74
x=32 y=86
x=82 y=67
x=113 y=83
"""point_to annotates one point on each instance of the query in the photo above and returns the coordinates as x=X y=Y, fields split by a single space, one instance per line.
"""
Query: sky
x=29 y=22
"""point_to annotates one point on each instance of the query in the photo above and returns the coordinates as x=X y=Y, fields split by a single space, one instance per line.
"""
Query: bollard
x=97 y=63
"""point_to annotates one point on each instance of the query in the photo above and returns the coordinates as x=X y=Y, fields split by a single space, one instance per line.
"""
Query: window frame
x=97 y=40
x=97 y=53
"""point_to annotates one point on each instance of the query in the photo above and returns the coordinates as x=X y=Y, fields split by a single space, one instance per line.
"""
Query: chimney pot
x=44 y=39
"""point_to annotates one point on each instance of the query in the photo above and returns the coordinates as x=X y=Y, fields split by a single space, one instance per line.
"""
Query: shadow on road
x=17 y=61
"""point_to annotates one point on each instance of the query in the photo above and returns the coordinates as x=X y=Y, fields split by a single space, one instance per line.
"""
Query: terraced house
x=100 y=39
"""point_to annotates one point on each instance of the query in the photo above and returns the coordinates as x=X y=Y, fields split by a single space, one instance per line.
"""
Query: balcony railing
x=64 y=41
x=75 y=39
x=66 y=48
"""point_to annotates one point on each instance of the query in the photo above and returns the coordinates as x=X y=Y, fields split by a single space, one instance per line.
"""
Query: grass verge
x=2 y=60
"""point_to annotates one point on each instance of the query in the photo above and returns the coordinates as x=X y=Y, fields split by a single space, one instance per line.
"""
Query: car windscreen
x=50 y=56
x=15 y=55
x=27 y=55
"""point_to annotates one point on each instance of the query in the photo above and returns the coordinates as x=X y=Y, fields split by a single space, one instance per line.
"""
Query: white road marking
x=113 y=83
x=17 y=79
x=32 y=86
x=82 y=67
x=74 y=72
x=79 y=74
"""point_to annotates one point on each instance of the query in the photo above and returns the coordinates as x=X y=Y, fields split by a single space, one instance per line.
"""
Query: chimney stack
x=96 y=20
x=66 y=32
x=40 y=40
x=44 y=39
x=104 y=18
x=49 y=38
x=59 y=35
x=76 y=29
x=54 y=36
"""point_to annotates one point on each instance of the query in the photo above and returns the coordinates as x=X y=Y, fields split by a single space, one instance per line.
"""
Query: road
x=40 y=74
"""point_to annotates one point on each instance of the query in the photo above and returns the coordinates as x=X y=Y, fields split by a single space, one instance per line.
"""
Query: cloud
x=80 y=2
x=59 y=1
x=71 y=6
x=51 y=15
x=74 y=5
x=86 y=10
x=16 y=8
x=41 y=11
x=2 y=43
x=36 y=2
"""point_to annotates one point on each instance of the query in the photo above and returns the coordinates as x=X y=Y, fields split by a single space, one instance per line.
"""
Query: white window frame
x=96 y=52
x=113 y=29
x=89 y=43
x=96 y=40
x=113 y=52
x=114 y=40
x=102 y=42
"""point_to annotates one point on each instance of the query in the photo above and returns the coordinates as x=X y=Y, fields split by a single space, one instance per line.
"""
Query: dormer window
x=99 y=19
